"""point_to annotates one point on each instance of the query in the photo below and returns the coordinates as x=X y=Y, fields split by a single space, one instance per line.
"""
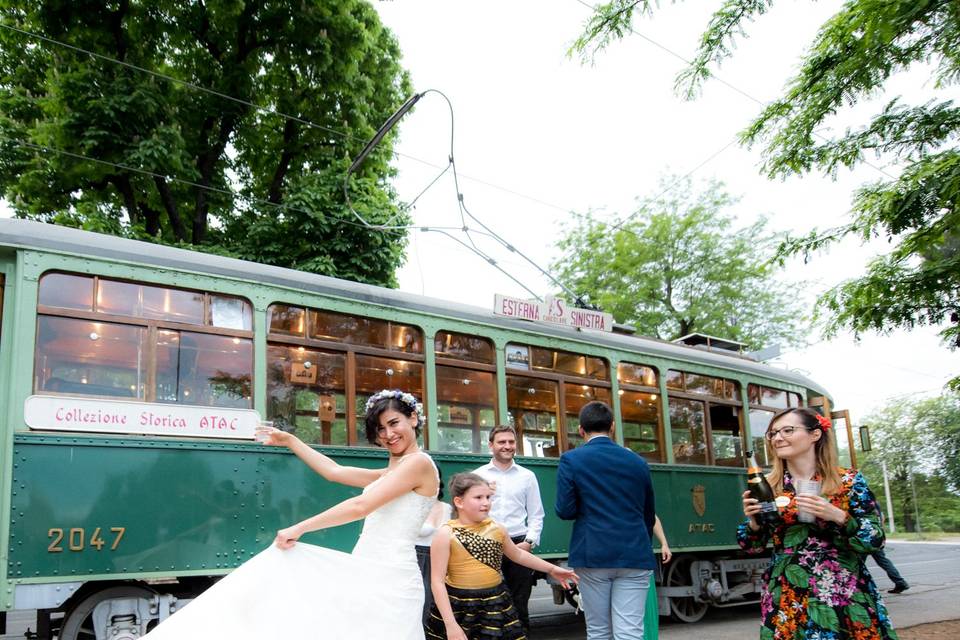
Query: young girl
x=470 y=599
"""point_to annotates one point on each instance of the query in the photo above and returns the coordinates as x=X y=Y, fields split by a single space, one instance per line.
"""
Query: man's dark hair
x=596 y=417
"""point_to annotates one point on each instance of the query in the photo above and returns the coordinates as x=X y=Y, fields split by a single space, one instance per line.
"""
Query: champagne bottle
x=761 y=490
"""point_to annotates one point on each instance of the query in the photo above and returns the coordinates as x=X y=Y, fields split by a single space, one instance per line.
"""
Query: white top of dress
x=390 y=533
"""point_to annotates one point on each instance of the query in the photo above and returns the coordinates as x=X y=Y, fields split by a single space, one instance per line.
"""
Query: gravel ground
x=949 y=630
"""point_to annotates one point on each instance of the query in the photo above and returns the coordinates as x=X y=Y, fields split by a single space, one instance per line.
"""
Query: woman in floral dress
x=817 y=586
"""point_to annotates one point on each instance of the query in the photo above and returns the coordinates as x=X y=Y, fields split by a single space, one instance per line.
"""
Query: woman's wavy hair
x=825 y=450
x=378 y=406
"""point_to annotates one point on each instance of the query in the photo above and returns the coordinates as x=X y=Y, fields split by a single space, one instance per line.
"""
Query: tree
x=126 y=142
x=853 y=55
x=678 y=267
x=917 y=439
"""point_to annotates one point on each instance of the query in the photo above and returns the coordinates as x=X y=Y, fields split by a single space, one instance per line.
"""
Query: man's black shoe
x=899 y=588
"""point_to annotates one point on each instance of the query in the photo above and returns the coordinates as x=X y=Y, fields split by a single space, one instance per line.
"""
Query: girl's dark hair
x=378 y=406
x=460 y=484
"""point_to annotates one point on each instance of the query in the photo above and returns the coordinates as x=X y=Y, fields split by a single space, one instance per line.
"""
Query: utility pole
x=916 y=507
x=886 y=497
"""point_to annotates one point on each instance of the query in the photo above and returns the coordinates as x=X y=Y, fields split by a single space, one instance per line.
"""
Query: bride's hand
x=288 y=537
x=272 y=436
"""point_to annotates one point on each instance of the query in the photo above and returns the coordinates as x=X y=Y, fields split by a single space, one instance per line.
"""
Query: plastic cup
x=806 y=488
x=262 y=433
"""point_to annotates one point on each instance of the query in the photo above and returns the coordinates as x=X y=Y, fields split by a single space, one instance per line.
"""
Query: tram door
x=846 y=450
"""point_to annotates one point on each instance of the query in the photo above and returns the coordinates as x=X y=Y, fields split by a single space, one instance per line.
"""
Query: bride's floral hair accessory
x=379 y=402
x=824 y=422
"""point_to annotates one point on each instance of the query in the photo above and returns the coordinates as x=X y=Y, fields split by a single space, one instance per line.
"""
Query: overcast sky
x=539 y=135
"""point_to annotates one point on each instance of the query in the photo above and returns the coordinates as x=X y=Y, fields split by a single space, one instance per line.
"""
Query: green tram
x=131 y=376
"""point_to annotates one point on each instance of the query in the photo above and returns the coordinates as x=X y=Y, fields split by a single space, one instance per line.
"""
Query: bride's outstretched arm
x=330 y=470
x=418 y=473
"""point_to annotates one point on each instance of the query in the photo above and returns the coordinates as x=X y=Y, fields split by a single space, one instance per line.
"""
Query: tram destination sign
x=553 y=310
x=55 y=413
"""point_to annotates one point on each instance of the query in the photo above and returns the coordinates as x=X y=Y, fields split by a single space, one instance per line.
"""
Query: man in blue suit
x=607 y=491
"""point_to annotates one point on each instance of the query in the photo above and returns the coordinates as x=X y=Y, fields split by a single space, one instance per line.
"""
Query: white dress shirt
x=516 y=502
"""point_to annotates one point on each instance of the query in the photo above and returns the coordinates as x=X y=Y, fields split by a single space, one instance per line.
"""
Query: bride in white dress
x=294 y=590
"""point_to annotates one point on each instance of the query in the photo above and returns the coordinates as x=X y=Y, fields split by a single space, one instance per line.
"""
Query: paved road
x=932 y=569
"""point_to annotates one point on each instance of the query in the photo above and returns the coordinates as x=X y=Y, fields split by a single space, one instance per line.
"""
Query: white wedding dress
x=374 y=593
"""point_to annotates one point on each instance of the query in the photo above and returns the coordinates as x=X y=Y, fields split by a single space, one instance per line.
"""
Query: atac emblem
x=698 y=495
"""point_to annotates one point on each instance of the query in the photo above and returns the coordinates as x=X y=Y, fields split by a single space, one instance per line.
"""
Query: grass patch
x=932 y=535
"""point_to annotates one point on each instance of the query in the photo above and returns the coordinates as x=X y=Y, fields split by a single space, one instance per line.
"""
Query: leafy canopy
x=677 y=266
x=123 y=144
x=851 y=58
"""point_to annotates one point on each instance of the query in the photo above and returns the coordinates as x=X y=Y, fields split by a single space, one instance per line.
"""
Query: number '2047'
x=76 y=539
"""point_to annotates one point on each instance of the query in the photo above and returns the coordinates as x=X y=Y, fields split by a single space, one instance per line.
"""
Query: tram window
x=774 y=398
x=564 y=362
x=144 y=301
x=753 y=393
x=641 y=423
x=90 y=358
x=339 y=327
x=675 y=380
x=230 y=313
x=286 y=320
x=374 y=373
x=725 y=433
x=203 y=369
x=687 y=426
x=759 y=421
x=575 y=397
x=66 y=291
x=533 y=405
x=461 y=346
x=306 y=393
x=794 y=399
x=636 y=374
x=466 y=406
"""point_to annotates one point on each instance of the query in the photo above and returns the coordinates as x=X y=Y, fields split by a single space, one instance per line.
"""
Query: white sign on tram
x=553 y=310
x=55 y=413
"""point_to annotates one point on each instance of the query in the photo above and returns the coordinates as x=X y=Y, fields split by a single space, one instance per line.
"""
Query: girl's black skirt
x=481 y=613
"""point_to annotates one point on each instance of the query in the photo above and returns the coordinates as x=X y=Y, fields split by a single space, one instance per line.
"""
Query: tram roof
x=30 y=234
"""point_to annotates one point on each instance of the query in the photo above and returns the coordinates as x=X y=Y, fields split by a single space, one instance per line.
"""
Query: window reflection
x=460 y=346
x=204 y=369
x=90 y=358
x=759 y=421
x=466 y=409
x=66 y=291
x=726 y=437
x=306 y=393
x=350 y=329
x=641 y=423
x=687 y=419
x=575 y=397
x=532 y=404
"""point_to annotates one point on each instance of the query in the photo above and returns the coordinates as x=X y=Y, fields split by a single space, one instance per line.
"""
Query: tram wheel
x=685 y=608
x=78 y=620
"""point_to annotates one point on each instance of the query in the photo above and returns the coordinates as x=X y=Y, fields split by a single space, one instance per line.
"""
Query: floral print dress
x=817 y=586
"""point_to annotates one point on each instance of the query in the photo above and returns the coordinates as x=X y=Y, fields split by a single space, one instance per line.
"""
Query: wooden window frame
x=708 y=401
x=350 y=374
x=152 y=326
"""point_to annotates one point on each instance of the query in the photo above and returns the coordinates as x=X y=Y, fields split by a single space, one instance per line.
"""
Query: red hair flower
x=824 y=422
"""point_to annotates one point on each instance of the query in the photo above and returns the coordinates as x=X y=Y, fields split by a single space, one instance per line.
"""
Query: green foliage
x=89 y=142
x=853 y=55
x=679 y=267
x=919 y=441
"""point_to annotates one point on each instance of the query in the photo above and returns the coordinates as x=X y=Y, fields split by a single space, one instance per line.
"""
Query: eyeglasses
x=786 y=432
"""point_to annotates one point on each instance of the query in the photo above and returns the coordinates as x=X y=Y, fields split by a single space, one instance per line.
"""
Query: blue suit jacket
x=608 y=492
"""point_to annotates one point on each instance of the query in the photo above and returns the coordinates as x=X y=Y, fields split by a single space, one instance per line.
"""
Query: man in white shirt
x=517 y=506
